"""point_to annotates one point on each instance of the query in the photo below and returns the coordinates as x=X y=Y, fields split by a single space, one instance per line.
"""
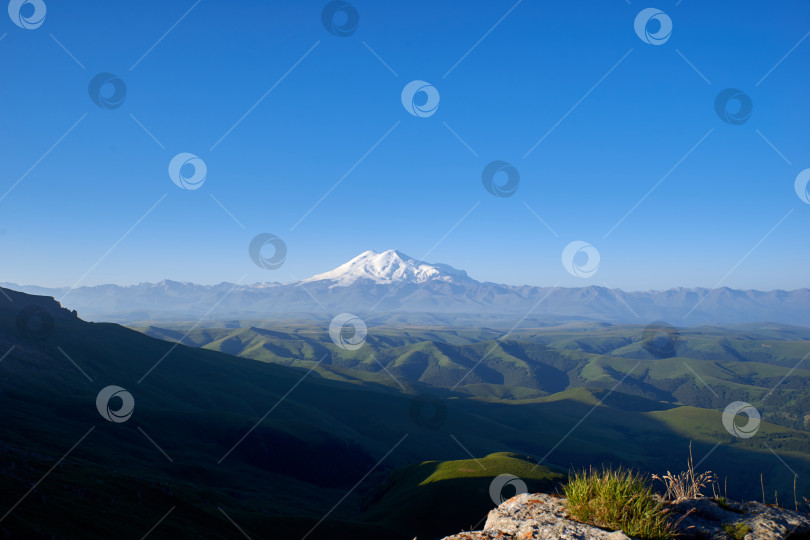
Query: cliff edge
x=540 y=516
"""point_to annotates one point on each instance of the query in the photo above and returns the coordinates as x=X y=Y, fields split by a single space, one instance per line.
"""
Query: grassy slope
x=737 y=364
x=306 y=455
x=436 y=498
x=742 y=364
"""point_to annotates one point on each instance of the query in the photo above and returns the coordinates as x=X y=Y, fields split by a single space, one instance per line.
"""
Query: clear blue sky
x=506 y=94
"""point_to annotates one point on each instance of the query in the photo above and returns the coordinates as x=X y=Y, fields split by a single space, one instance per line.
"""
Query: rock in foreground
x=542 y=516
x=538 y=516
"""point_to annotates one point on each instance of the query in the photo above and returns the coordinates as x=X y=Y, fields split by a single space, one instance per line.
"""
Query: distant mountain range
x=391 y=286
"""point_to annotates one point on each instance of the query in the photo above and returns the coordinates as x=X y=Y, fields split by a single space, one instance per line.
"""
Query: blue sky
x=615 y=115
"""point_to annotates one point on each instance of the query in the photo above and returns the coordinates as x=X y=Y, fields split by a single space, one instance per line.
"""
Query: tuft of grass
x=736 y=530
x=687 y=484
x=618 y=499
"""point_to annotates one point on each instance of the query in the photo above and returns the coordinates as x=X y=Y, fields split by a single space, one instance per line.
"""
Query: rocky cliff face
x=544 y=517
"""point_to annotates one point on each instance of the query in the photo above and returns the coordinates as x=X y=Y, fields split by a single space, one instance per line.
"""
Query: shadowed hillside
x=274 y=448
x=707 y=367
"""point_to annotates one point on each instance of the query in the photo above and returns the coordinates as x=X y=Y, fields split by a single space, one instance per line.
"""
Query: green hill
x=437 y=498
x=275 y=447
x=713 y=366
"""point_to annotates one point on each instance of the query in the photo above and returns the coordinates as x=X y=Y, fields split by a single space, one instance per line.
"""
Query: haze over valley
x=390 y=286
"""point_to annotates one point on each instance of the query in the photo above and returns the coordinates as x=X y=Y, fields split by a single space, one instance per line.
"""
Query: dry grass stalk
x=687 y=484
x=762 y=484
x=795 y=500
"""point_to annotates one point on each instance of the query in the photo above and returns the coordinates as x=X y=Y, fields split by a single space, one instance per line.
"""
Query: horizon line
x=11 y=285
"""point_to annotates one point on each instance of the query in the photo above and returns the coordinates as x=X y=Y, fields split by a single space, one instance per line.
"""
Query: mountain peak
x=390 y=266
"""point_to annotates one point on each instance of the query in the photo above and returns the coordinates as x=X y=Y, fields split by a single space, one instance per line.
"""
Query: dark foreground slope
x=215 y=442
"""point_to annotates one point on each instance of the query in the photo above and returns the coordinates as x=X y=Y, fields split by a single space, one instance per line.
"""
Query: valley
x=707 y=367
x=287 y=434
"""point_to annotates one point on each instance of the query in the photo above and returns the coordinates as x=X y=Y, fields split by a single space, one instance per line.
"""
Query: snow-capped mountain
x=395 y=288
x=388 y=267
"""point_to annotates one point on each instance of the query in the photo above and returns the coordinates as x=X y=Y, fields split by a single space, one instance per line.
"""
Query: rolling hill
x=216 y=440
x=709 y=366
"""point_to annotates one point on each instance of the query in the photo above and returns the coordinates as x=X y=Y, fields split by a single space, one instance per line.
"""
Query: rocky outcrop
x=542 y=516
x=706 y=519
x=538 y=516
